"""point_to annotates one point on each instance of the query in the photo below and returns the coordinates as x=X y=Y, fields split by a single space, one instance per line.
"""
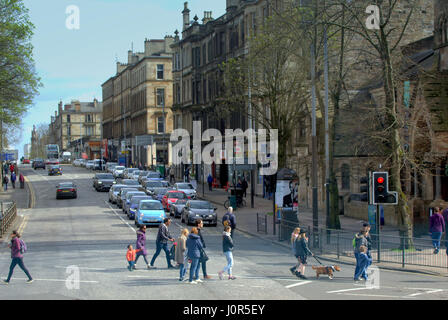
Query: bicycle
x=240 y=203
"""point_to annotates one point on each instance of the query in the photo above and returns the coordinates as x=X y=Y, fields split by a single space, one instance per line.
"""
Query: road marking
x=120 y=216
x=372 y=295
x=426 y=292
x=297 y=284
x=83 y=268
x=33 y=195
x=56 y=280
x=23 y=225
x=345 y=290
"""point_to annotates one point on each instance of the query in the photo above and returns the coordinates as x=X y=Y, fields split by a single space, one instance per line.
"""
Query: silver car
x=187 y=188
x=122 y=195
x=113 y=192
x=118 y=172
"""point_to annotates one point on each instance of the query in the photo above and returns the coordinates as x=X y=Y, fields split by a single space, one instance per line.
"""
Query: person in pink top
x=17 y=257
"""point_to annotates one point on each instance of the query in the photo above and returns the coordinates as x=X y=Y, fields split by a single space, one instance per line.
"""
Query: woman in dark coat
x=141 y=244
x=194 y=246
x=302 y=252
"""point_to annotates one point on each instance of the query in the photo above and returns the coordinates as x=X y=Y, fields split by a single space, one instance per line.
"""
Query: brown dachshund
x=326 y=270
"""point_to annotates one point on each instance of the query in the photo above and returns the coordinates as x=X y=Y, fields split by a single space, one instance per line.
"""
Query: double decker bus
x=52 y=152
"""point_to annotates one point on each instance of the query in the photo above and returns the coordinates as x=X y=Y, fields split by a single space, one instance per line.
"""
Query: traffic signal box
x=380 y=193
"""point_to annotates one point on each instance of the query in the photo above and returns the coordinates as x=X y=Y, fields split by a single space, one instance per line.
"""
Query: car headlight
x=141 y=216
x=196 y=215
x=114 y=182
x=132 y=210
x=99 y=182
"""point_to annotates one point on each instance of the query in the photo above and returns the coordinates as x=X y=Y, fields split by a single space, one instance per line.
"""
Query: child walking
x=364 y=262
x=130 y=257
x=227 y=248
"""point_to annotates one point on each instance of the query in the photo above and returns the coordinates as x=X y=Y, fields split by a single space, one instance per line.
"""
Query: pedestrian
x=436 y=228
x=172 y=178
x=130 y=257
x=366 y=227
x=210 y=182
x=227 y=248
x=294 y=235
x=359 y=240
x=204 y=258
x=302 y=252
x=187 y=174
x=18 y=248
x=5 y=168
x=13 y=179
x=141 y=244
x=181 y=253
x=194 y=246
x=5 y=182
x=229 y=219
x=11 y=167
x=364 y=262
x=245 y=185
x=22 y=181
x=163 y=236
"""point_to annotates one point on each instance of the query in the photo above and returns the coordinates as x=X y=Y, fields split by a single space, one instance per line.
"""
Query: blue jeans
x=140 y=253
x=229 y=257
x=18 y=261
x=161 y=246
x=131 y=265
x=357 y=266
x=436 y=236
x=194 y=269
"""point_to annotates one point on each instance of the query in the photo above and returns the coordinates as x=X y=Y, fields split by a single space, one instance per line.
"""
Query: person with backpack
x=359 y=240
x=13 y=179
x=227 y=248
x=229 y=219
x=5 y=183
x=302 y=252
x=18 y=248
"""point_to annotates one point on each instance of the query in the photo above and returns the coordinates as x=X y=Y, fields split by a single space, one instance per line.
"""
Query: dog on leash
x=326 y=270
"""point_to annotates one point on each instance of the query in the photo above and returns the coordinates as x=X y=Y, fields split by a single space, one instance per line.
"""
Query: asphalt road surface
x=88 y=236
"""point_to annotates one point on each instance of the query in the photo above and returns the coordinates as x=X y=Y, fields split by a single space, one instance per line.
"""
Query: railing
x=262 y=223
x=391 y=249
x=8 y=214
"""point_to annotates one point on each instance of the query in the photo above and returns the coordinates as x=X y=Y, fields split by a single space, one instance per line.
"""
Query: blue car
x=149 y=212
x=133 y=207
x=154 y=175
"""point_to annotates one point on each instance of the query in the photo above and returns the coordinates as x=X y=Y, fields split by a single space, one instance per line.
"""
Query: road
x=90 y=235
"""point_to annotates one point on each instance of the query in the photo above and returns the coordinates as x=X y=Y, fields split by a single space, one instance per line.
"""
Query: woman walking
x=13 y=179
x=194 y=246
x=141 y=244
x=227 y=248
x=181 y=253
x=302 y=252
x=436 y=228
x=5 y=183
x=203 y=260
x=295 y=234
x=22 y=181
x=17 y=250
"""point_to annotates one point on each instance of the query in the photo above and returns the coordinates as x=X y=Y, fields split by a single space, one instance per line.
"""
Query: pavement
x=77 y=247
x=247 y=222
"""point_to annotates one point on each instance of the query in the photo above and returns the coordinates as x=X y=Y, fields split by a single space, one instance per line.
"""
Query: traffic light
x=381 y=193
x=365 y=189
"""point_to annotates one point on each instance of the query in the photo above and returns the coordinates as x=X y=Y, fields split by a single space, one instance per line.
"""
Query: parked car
x=54 y=170
x=38 y=163
x=177 y=207
x=103 y=181
x=187 y=188
x=83 y=162
x=171 y=197
x=199 y=209
x=90 y=164
x=133 y=206
x=76 y=163
x=118 y=171
x=149 y=212
x=66 y=190
x=128 y=172
x=114 y=190
x=127 y=200
x=98 y=164
x=122 y=195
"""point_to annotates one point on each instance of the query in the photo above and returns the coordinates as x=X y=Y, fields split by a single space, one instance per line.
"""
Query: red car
x=171 y=197
x=26 y=161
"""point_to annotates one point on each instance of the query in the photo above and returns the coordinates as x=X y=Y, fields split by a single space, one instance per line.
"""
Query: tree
x=42 y=138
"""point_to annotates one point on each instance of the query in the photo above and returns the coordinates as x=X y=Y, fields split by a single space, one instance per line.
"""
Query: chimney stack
x=207 y=17
x=186 y=14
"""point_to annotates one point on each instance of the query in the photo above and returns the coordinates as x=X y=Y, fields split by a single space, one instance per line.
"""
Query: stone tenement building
x=76 y=127
x=137 y=116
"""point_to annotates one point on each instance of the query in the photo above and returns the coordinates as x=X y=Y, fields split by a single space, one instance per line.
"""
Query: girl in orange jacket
x=130 y=257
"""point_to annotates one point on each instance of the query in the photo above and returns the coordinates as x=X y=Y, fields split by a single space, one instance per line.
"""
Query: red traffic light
x=380 y=180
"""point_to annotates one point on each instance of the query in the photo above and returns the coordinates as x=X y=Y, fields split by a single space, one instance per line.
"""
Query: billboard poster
x=286 y=194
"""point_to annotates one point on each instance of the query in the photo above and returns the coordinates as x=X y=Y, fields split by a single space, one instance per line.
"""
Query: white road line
x=83 y=268
x=426 y=292
x=54 y=280
x=372 y=295
x=345 y=290
x=297 y=284
x=118 y=215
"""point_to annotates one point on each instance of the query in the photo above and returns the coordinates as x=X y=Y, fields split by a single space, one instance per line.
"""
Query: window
x=160 y=69
x=89 y=131
x=68 y=118
x=89 y=118
x=69 y=131
x=160 y=125
x=160 y=97
x=345 y=177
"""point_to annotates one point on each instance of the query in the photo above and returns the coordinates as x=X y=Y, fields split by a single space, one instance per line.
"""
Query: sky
x=72 y=64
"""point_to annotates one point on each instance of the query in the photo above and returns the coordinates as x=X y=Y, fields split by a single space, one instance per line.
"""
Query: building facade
x=137 y=107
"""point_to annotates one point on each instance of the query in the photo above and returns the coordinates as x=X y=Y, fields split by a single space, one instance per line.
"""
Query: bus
x=52 y=151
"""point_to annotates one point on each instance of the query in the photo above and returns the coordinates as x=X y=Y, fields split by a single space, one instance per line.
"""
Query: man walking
x=436 y=228
x=13 y=179
x=163 y=236
x=229 y=219
x=5 y=182
x=245 y=185
x=210 y=182
x=172 y=179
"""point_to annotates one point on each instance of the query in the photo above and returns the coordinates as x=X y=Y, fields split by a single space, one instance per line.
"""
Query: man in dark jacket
x=436 y=228
x=199 y=226
x=163 y=236
x=230 y=218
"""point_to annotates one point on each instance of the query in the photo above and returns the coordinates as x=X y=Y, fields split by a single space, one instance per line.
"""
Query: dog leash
x=317 y=260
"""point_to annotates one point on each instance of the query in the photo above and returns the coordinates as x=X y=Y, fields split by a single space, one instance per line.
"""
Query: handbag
x=204 y=256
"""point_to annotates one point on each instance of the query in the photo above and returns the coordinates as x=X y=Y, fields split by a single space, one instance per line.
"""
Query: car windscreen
x=184 y=186
x=153 y=175
x=118 y=188
x=160 y=190
x=119 y=168
x=181 y=201
x=201 y=205
x=130 y=194
x=153 y=184
x=143 y=173
x=137 y=199
x=151 y=206
x=177 y=195
x=105 y=176
x=65 y=185
x=130 y=182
